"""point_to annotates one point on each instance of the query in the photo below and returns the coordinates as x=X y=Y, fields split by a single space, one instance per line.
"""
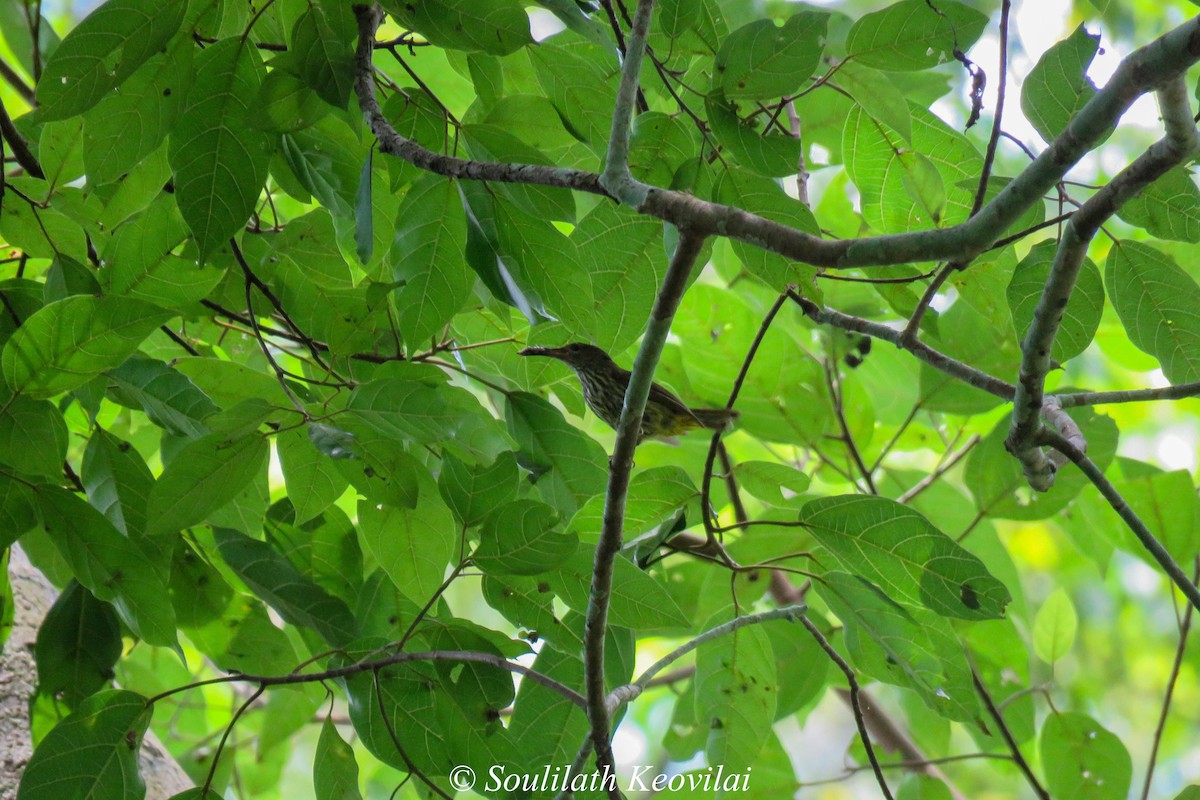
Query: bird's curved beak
x=552 y=352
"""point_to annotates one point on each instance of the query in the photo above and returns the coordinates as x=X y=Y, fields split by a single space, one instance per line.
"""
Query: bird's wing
x=660 y=395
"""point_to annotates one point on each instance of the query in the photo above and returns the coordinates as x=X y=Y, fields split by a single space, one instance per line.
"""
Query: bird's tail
x=715 y=418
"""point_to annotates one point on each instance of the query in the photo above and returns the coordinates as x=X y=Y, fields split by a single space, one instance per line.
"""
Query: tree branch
x=629 y=428
x=1182 y=140
x=617 y=178
x=1142 y=71
x=1130 y=517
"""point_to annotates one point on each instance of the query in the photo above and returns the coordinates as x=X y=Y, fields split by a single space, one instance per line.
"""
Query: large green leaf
x=203 y=476
x=218 y=157
x=312 y=478
x=472 y=492
x=1082 y=314
x=906 y=647
x=578 y=78
x=117 y=481
x=414 y=546
x=735 y=694
x=129 y=125
x=168 y=397
x=899 y=182
x=1082 y=759
x=914 y=34
x=1058 y=85
x=1169 y=208
x=78 y=643
x=761 y=60
x=272 y=577
x=623 y=252
x=67 y=343
x=520 y=538
x=109 y=565
x=102 y=51
x=335 y=771
x=139 y=261
x=92 y=753
x=427 y=258
x=567 y=466
x=493 y=26
x=896 y=548
x=1159 y=305
x=33 y=438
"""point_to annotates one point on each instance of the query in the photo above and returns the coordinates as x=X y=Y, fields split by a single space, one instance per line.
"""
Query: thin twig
x=1011 y=742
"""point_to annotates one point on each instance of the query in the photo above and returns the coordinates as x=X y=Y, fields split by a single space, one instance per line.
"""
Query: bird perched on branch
x=604 y=384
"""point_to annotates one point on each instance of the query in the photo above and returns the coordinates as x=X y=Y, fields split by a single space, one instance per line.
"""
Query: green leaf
x=770 y=482
x=1054 y=627
x=1169 y=208
x=410 y=410
x=568 y=466
x=272 y=577
x=18 y=510
x=1081 y=317
x=139 y=261
x=117 y=481
x=580 y=80
x=364 y=212
x=427 y=257
x=915 y=563
x=1159 y=499
x=92 y=753
x=109 y=565
x=771 y=153
x=1083 y=760
x=623 y=253
x=1157 y=303
x=878 y=96
x=33 y=438
x=412 y=545
x=654 y=494
x=914 y=34
x=127 y=126
x=412 y=712
x=491 y=143
x=898 y=191
x=218 y=157
x=67 y=343
x=312 y=478
x=498 y=27
x=286 y=104
x=101 y=52
x=78 y=643
x=335 y=772
x=904 y=647
x=761 y=61
x=322 y=50
x=1058 y=86
x=168 y=397
x=765 y=197
x=520 y=538
x=735 y=694
x=472 y=492
x=547 y=267
x=202 y=477
x=638 y=600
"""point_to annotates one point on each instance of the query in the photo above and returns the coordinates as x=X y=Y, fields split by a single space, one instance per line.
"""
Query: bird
x=604 y=384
